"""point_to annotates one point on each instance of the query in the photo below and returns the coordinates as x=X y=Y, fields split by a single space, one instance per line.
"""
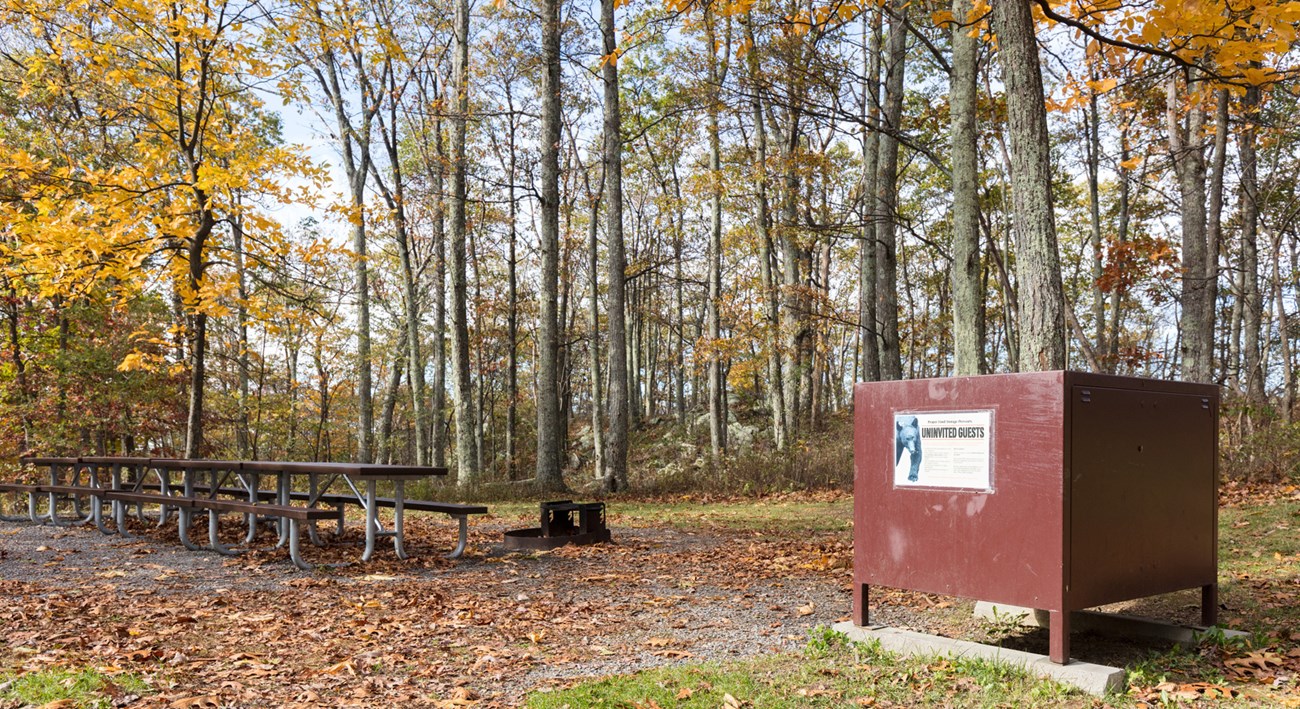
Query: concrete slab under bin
x=1094 y=679
x=1111 y=624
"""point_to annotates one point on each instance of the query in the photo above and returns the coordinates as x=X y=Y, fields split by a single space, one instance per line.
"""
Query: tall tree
x=968 y=345
x=548 y=401
x=887 y=223
x=1188 y=151
x=616 y=453
x=1038 y=267
x=327 y=42
x=467 y=451
x=762 y=220
x=868 y=319
x=716 y=385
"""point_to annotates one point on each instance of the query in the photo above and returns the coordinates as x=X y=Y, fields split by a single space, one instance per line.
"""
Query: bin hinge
x=1205 y=404
x=1086 y=396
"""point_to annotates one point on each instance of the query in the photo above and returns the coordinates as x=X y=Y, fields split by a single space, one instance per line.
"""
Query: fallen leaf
x=207 y=700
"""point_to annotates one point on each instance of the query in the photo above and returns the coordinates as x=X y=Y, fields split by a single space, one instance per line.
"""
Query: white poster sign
x=948 y=449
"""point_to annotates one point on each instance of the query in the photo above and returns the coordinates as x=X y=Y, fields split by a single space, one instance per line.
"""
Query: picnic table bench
x=218 y=495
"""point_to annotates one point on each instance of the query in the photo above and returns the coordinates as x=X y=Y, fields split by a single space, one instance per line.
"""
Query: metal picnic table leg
x=295 y=553
x=114 y=483
x=54 y=499
x=31 y=508
x=214 y=521
x=312 y=486
x=165 y=487
x=185 y=515
x=253 y=482
x=213 y=540
x=372 y=520
x=283 y=498
x=399 y=493
x=462 y=536
x=98 y=511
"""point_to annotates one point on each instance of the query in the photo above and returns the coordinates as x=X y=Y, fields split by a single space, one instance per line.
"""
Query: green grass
x=831 y=672
x=1258 y=549
x=789 y=517
x=84 y=688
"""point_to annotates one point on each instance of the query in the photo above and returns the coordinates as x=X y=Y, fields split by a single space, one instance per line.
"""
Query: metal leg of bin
x=861 y=611
x=462 y=536
x=1209 y=604
x=1059 y=636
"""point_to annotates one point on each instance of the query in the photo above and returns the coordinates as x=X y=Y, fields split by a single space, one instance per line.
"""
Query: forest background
x=547 y=229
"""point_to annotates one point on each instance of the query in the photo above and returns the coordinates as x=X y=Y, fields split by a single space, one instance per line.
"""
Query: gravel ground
x=656 y=597
x=498 y=623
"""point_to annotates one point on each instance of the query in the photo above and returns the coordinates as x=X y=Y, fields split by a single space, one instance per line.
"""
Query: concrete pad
x=1112 y=624
x=1094 y=679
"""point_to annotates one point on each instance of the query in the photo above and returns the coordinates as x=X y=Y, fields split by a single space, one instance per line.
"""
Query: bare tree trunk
x=512 y=312
x=198 y=336
x=868 y=318
x=365 y=402
x=1121 y=237
x=481 y=412
x=968 y=354
x=717 y=402
x=1214 y=221
x=891 y=365
x=616 y=455
x=593 y=346
x=242 y=434
x=1038 y=267
x=1283 y=336
x=466 y=426
x=548 y=404
x=1094 y=213
x=438 y=403
x=1189 y=163
x=1252 y=295
x=389 y=405
x=775 y=390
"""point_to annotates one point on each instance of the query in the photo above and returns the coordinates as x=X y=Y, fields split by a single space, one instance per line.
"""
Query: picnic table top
x=34 y=460
x=114 y=460
x=359 y=470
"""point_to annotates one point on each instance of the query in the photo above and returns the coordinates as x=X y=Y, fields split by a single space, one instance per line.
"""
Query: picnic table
x=217 y=486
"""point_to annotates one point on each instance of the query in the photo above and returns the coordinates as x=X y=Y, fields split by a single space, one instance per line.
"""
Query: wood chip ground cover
x=195 y=629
